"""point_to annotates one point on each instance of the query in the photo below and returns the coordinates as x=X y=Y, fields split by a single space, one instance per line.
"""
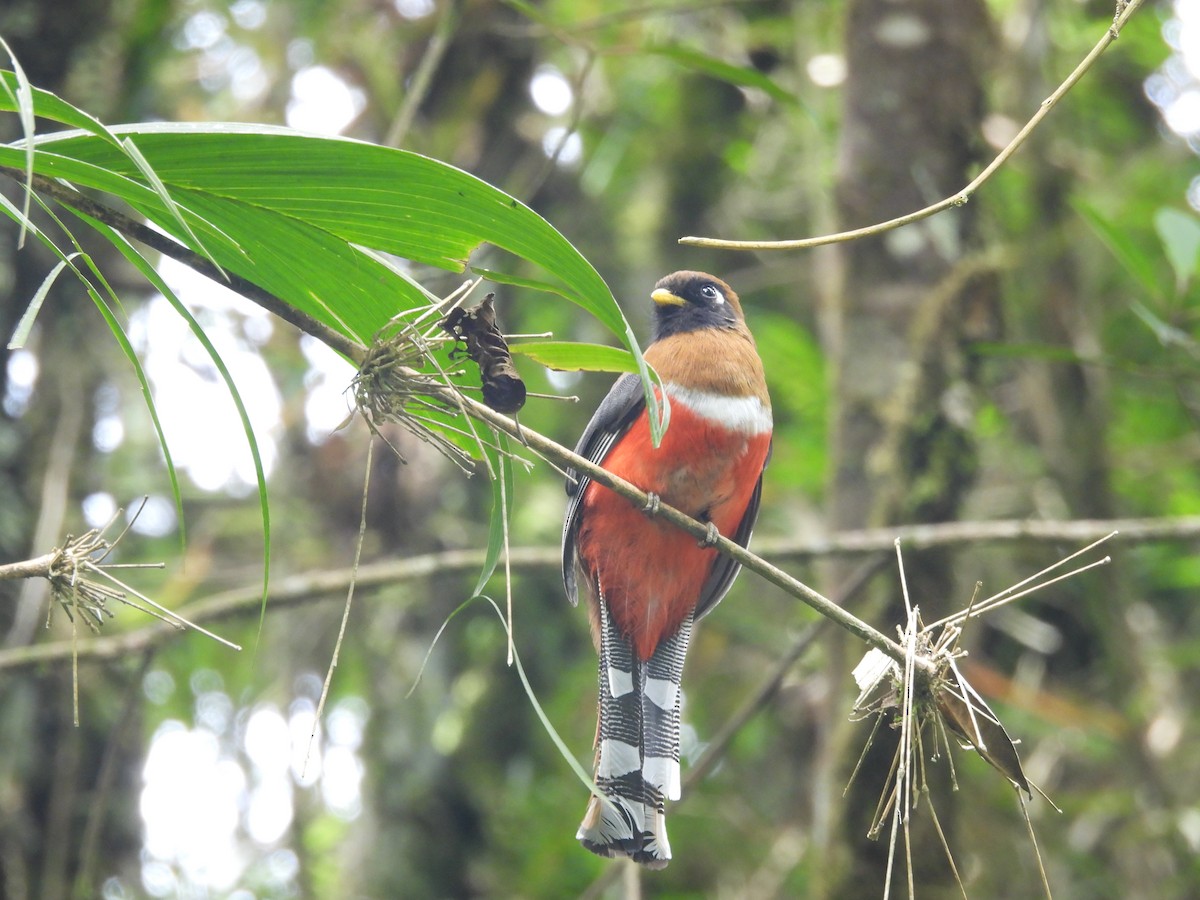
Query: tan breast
x=717 y=361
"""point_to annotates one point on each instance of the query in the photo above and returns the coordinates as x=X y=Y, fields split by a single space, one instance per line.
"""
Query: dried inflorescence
x=399 y=381
x=927 y=692
x=70 y=586
x=82 y=582
x=918 y=698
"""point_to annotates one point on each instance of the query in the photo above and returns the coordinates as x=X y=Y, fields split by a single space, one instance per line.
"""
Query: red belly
x=650 y=572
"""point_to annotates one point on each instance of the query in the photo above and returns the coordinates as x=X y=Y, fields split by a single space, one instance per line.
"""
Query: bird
x=645 y=580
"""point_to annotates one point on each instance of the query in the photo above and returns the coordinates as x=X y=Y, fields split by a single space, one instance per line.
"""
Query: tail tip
x=608 y=831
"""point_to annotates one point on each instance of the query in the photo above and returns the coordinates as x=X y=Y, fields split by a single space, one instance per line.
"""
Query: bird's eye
x=709 y=292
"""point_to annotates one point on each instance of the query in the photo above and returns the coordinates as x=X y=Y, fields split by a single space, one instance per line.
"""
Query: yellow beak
x=663 y=297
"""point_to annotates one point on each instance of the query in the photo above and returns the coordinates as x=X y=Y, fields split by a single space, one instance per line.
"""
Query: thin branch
x=949 y=534
x=331 y=584
x=963 y=196
x=290 y=591
x=422 y=78
x=337 y=646
x=28 y=568
x=571 y=128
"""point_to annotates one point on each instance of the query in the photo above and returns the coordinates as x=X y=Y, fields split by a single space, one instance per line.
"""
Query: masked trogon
x=645 y=580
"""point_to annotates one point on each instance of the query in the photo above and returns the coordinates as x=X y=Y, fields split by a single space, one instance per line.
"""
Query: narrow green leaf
x=113 y=324
x=1166 y=333
x=164 y=195
x=121 y=185
x=47 y=106
x=1044 y=352
x=1180 y=233
x=1131 y=257
x=437 y=637
x=570 y=357
x=115 y=327
x=21 y=334
x=25 y=221
x=547 y=725
x=172 y=474
x=21 y=97
x=122 y=339
x=658 y=405
x=533 y=284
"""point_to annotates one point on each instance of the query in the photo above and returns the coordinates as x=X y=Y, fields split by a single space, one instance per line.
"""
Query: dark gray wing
x=612 y=419
x=724 y=568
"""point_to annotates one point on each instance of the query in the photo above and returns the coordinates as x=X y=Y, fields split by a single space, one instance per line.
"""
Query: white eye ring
x=712 y=293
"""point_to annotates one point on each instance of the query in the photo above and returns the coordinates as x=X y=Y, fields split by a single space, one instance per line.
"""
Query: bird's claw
x=653 y=504
x=710 y=539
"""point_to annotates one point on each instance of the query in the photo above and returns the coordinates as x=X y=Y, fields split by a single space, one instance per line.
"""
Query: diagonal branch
x=422 y=78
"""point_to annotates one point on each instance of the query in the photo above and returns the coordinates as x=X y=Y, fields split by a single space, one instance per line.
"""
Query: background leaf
x=1180 y=234
x=1135 y=260
x=714 y=67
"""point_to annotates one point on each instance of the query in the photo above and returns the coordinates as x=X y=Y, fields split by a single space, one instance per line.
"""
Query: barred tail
x=637 y=753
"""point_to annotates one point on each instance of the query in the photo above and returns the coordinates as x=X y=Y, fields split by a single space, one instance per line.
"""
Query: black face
x=689 y=301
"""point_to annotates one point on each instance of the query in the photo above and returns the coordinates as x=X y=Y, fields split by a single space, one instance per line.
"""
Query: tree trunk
x=895 y=325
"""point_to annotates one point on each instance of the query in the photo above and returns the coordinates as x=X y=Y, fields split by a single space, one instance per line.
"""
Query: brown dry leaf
x=966 y=714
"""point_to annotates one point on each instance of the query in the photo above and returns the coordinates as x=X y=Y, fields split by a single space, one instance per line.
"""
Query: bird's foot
x=711 y=538
x=653 y=504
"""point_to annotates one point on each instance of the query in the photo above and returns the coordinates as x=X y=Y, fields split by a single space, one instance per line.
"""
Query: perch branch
x=565 y=458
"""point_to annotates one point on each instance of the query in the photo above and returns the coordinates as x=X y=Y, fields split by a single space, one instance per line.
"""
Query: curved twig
x=1124 y=11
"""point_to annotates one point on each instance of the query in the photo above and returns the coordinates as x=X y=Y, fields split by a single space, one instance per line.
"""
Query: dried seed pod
x=476 y=327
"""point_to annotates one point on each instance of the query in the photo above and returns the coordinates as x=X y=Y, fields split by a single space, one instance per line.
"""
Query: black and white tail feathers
x=637 y=751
